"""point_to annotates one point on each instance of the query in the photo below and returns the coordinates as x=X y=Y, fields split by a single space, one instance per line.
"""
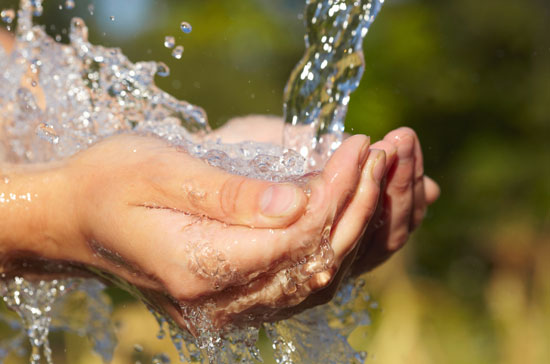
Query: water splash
x=7 y=15
x=72 y=305
x=92 y=92
x=318 y=92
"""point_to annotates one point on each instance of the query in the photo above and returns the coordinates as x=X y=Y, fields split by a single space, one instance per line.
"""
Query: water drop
x=169 y=41
x=79 y=30
x=161 y=359
x=138 y=348
x=162 y=69
x=69 y=4
x=177 y=52
x=7 y=15
x=112 y=17
x=37 y=8
x=186 y=27
x=91 y=9
x=47 y=132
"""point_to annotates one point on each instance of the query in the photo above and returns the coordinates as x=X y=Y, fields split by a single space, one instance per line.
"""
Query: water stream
x=92 y=92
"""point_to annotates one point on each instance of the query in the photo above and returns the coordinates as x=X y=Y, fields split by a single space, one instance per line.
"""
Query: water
x=92 y=92
x=318 y=91
x=186 y=27
x=177 y=52
x=169 y=41
x=7 y=15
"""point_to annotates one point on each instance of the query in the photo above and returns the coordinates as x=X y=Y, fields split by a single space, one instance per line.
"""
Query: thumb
x=200 y=189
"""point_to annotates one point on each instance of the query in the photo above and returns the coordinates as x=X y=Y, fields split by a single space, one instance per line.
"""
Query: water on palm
x=80 y=82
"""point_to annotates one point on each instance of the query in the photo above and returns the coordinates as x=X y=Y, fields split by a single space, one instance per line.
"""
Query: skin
x=187 y=233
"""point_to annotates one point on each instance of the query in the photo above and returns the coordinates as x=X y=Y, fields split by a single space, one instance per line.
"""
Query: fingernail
x=405 y=147
x=379 y=167
x=278 y=200
x=364 y=152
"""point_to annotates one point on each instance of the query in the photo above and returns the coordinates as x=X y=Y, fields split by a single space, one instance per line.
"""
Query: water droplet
x=69 y=4
x=58 y=37
x=91 y=9
x=37 y=8
x=79 y=30
x=162 y=69
x=161 y=359
x=177 y=52
x=186 y=27
x=169 y=41
x=47 y=132
x=138 y=348
x=112 y=17
x=7 y=15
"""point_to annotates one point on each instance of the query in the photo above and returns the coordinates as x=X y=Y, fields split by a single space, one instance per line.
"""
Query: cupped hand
x=190 y=235
x=406 y=194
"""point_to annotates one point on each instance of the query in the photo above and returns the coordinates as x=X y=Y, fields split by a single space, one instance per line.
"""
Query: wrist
x=35 y=210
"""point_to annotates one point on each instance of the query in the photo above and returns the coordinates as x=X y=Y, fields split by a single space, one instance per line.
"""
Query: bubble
x=46 y=132
x=169 y=41
x=177 y=52
x=69 y=4
x=162 y=69
x=7 y=15
x=186 y=27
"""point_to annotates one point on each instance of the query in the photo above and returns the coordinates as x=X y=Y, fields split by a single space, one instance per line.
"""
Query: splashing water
x=318 y=91
x=92 y=92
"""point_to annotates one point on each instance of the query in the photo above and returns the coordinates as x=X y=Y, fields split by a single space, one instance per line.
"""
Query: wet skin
x=184 y=231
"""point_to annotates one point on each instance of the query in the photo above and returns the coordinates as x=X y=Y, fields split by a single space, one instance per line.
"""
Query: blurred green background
x=471 y=77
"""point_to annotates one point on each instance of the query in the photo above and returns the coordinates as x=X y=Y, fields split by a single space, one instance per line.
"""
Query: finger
x=362 y=206
x=194 y=187
x=342 y=172
x=399 y=191
x=419 y=201
x=432 y=190
x=389 y=149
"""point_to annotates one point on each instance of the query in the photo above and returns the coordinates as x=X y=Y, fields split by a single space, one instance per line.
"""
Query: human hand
x=405 y=198
x=406 y=193
x=181 y=230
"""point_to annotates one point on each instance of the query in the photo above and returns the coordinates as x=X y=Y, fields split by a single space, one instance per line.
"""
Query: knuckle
x=401 y=185
x=398 y=240
x=229 y=193
x=410 y=131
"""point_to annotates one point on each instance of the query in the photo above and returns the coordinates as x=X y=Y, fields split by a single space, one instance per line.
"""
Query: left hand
x=404 y=199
